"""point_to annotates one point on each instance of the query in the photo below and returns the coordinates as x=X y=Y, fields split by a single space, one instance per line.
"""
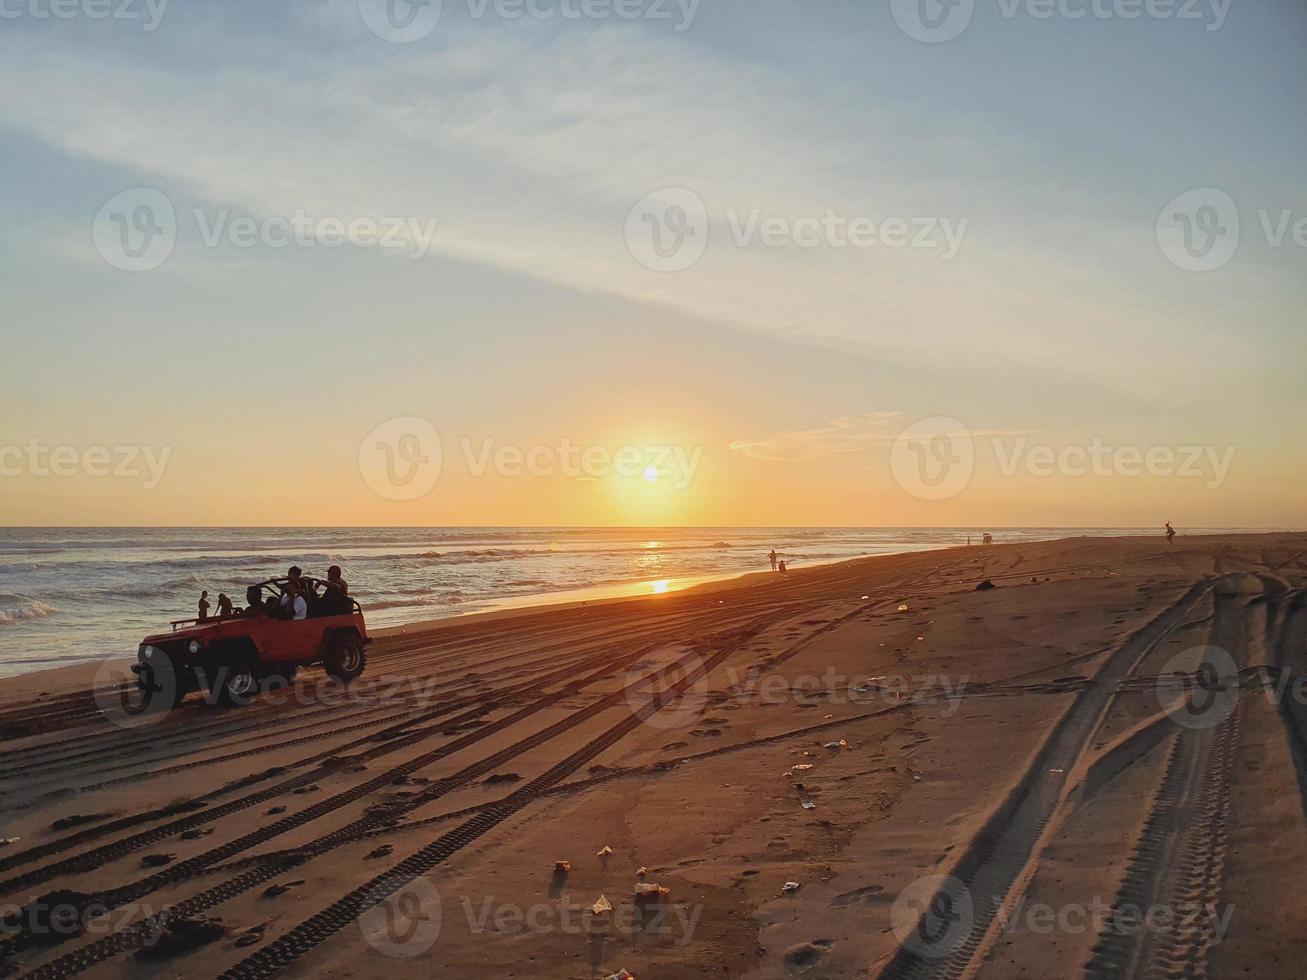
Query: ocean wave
x=21 y=608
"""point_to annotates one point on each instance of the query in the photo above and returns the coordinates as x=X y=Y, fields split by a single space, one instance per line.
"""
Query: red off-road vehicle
x=233 y=657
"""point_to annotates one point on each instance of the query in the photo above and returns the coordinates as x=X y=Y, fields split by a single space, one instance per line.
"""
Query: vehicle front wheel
x=234 y=683
x=345 y=659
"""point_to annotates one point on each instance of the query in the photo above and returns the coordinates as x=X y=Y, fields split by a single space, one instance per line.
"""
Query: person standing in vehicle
x=337 y=594
x=204 y=606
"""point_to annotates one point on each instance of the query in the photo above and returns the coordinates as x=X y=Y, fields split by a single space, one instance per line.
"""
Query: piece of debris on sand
x=604 y=852
x=790 y=887
x=382 y=851
x=647 y=890
x=281 y=888
x=562 y=867
x=985 y=586
x=157 y=860
x=602 y=905
x=502 y=777
x=182 y=936
x=620 y=975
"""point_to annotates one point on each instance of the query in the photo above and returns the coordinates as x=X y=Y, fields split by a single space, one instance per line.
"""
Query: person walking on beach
x=772 y=558
x=204 y=606
x=1170 y=532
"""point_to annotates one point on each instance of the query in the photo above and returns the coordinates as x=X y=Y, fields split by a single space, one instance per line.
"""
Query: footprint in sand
x=802 y=956
x=866 y=893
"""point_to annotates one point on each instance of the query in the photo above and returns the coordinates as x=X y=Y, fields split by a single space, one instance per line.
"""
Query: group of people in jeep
x=299 y=599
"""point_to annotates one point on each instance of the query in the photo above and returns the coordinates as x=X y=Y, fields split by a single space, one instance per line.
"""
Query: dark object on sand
x=183 y=936
x=986 y=586
x=382 y=851
x=49 y=919
x=157 y=860
x=502 y=777
x=77 y=819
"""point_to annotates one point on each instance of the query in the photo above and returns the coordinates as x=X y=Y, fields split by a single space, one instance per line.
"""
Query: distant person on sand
x=772 y=558
x=224 y=604
x=968 y=540
x=204 y=606
x=1170 y=532
x=781 y=568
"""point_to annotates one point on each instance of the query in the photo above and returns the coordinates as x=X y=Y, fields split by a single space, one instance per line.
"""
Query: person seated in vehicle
x=298 y=605
x=335 y=598
x=254 y=602
x=292 y=578
x=224 y=605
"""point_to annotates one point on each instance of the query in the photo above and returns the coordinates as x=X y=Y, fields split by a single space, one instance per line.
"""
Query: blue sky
x=1056 y=141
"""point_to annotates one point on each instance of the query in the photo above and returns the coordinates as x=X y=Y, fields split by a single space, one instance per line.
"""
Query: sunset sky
x=786 y=372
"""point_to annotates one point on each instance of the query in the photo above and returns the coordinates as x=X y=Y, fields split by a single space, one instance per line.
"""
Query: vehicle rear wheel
x=345 y=659
x=234 y=682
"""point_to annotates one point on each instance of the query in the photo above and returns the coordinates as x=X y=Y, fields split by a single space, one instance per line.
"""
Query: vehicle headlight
x=146 y=652
x=195 y=646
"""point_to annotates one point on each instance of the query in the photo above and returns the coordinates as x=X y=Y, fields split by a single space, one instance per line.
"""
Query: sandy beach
x=1095 y=767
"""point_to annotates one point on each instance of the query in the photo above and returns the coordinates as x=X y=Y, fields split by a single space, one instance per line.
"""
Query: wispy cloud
x=851 y=434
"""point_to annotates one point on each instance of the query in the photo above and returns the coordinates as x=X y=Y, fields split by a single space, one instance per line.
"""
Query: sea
x=70 y=595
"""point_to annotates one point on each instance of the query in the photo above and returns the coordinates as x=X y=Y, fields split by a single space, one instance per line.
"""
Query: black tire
x=345 y=658
x=234 y=682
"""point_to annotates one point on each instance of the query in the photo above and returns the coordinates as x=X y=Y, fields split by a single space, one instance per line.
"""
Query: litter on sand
x=601 y=906
x=604 y=851
x=802 y=767
x=809 y=805
x=903 y=607
x=649 y=890
x=562 y=867
x=641 y=872
x=789 y=887
x=841 y=744
x=620 y=975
